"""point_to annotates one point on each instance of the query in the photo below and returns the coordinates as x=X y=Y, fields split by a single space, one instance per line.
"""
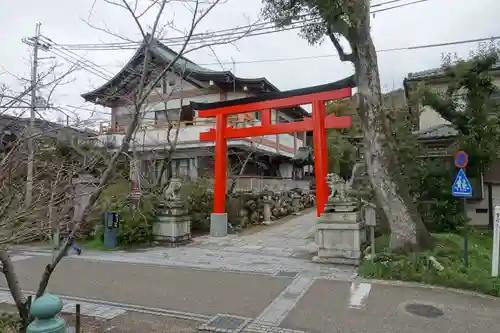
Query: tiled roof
x=426 y=73
x=127 y=78
x=438 y=131
x=434 y=72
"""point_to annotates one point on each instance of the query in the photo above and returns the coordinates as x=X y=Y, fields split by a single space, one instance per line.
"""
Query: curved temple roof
x=125 y=81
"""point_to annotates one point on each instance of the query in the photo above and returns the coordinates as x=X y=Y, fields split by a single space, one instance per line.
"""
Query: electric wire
x=257 y=29
x=63 y=51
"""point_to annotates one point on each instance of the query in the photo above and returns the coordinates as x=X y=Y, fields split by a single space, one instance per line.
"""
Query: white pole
x=496 y=243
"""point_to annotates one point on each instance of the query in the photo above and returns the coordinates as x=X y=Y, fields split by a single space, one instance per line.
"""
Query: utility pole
x=31 y=150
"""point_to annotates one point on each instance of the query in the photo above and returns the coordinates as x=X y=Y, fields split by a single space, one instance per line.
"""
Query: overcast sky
x=63 y=21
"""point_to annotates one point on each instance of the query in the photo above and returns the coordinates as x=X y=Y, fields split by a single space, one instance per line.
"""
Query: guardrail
x=181 y=124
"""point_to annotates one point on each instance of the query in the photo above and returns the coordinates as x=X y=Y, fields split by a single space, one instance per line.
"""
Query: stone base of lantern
x=339 y=237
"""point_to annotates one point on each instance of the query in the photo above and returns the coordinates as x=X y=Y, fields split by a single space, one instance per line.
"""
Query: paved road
x=182 y=289
x=330 y=306
x=265 y=303
x=276 y=290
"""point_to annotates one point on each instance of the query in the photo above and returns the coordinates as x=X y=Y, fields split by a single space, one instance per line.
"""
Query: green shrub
x=198 y=197
x=135 y=223
x=448 y=250
x=440 y=211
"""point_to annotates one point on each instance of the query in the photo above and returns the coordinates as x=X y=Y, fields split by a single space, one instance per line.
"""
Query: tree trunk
x=15 y=289
x=408 y=232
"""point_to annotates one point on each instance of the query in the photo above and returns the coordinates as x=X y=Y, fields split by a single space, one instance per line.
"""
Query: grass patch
x=448 y=250
x=96 y=244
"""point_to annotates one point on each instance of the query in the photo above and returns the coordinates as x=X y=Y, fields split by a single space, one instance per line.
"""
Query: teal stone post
x=45 y=310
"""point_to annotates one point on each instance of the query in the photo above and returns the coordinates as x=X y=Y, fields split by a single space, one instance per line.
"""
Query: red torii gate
x=316 y=96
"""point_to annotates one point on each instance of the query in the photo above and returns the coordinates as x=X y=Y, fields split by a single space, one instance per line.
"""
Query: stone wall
x=259 y=184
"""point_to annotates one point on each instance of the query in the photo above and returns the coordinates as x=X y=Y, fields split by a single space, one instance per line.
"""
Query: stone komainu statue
x=171 y=193
x=345 y=191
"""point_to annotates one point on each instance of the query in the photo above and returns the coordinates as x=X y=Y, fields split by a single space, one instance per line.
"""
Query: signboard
x=495 y=255
x=461 y=186
x=112 y=220
x=461 y=159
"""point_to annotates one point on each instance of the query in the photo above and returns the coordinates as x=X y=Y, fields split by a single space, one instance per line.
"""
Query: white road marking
x=19 y=257
x=358 y=295
x=276 y=312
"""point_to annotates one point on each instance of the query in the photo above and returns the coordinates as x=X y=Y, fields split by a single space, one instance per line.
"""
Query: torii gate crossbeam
x=316 y=96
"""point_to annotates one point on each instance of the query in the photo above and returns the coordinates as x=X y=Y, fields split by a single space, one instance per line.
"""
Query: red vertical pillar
x=220 y=173
x=265 y=116
x=320 y=155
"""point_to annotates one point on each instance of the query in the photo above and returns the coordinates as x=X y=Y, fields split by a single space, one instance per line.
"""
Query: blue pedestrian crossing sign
x=461 y=186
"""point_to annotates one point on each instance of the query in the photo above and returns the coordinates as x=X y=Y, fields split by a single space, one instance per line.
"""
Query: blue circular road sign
x=461 y=159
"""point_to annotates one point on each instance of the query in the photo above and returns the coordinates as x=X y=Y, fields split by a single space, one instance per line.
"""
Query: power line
x=78 y=63
x=396 y=49
x=406 y=48
x=95 y=69
x=246 y=31
x=243 y=32
x=63 y=51
x=75 y=55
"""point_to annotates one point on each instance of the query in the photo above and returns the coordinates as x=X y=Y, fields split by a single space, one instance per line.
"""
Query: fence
x=258 y=183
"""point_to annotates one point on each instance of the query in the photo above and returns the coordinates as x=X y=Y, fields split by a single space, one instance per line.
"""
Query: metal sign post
x=461 y=188
x=495 y=256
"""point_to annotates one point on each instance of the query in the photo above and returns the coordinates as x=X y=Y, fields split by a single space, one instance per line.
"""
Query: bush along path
x=447 y=270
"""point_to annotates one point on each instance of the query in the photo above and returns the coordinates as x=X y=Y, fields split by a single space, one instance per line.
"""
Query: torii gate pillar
x=320 y=155
x=218 y=219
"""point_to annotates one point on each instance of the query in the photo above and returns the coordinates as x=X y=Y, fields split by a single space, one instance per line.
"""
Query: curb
x=398 y=283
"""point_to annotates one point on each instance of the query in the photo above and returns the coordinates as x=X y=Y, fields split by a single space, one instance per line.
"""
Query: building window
x=166 y=116
x=180 y=168
x=187 y=115
x=183 y=169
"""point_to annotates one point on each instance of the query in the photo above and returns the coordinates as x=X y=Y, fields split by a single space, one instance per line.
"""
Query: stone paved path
x=279 y=249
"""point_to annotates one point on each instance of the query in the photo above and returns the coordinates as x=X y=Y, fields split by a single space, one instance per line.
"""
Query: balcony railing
x=189 y=132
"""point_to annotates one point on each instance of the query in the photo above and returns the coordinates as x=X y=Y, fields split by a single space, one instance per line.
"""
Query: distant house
x=169 y=105
x=12 y=128
x=439 y=135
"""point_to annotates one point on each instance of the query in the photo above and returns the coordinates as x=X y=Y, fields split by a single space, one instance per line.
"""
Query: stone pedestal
x=296 y=202
x=173 y=226
x=218 y=225
x=339 y=236
x=266 y=212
